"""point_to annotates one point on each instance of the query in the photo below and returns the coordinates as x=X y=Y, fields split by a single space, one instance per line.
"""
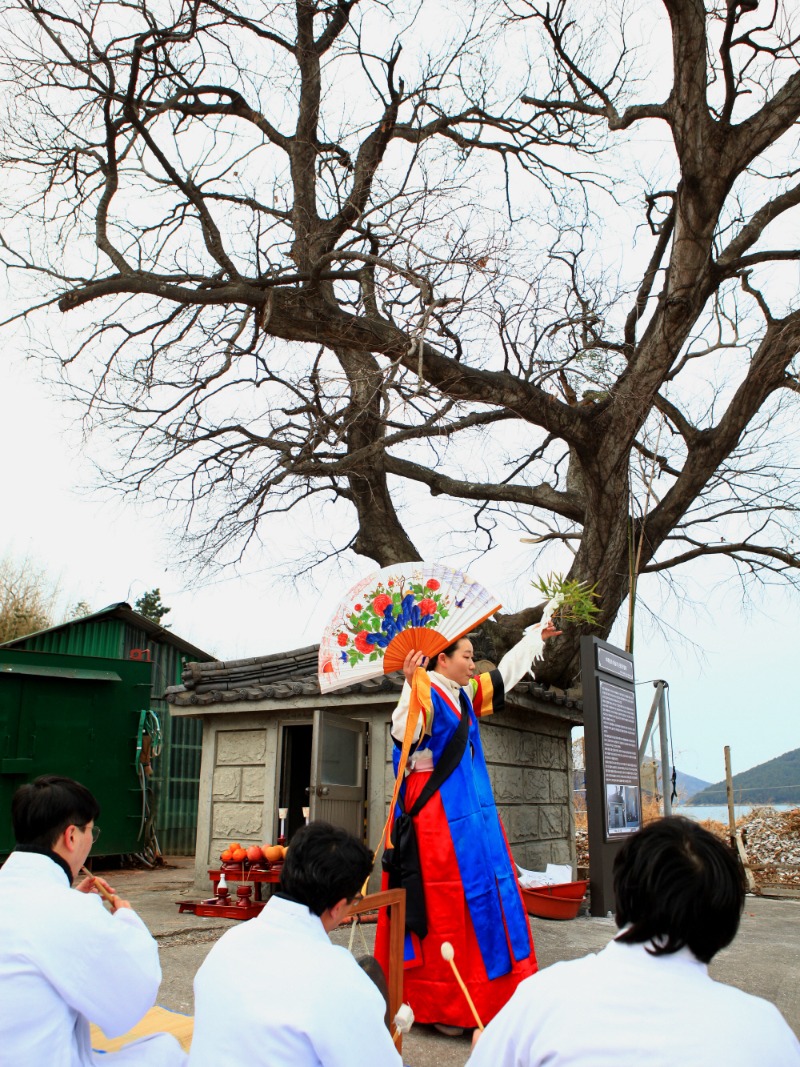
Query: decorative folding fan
x=409 y=606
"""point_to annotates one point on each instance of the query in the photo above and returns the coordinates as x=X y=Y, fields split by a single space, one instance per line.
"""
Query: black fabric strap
x=449 y=759
x=499 y=689
x=401 y=859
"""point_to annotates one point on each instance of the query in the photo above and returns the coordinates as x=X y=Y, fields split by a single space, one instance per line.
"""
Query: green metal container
x=123 y=634
x=78 y=716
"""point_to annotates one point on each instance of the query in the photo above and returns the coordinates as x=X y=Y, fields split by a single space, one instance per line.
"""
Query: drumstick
x=403 y=1021
x=104 y=893
x=448 y=953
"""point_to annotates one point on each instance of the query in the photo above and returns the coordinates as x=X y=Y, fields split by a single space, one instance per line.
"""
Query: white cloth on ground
x=624 y=1007
x=276 y=991
x=65 y=962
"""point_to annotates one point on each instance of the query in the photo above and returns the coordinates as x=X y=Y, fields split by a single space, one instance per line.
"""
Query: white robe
x=274 y=991
x=624 y=1007
x=65 y=962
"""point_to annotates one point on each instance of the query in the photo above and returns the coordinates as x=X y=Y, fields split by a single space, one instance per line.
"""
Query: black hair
x=41 y=810
x=324 y=864
x=676 y=884
x=431 y=664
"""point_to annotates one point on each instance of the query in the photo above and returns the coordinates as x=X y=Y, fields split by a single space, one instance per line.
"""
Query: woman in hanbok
x=471 y=894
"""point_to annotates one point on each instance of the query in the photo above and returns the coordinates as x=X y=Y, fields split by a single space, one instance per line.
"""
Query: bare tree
x=27 y=599
x=331 y=251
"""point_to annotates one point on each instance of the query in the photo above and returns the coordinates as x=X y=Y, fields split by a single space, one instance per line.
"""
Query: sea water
x=719 y=812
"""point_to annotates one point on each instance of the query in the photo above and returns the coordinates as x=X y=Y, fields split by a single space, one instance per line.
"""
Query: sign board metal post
x=613 y=789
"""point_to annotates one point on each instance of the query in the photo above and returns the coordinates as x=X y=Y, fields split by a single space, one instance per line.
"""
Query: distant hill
x=775 y=782
x=689 y=787
x=686 y=784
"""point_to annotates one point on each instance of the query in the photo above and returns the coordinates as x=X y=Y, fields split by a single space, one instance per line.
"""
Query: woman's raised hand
x=411 y=662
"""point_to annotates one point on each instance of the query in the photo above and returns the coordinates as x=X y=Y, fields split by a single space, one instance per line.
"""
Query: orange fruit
x=238 y=855
x=274 y=853
x=226 y=856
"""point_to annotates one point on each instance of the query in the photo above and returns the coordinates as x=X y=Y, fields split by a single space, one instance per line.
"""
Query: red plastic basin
x=574 y=890
x=555 y=901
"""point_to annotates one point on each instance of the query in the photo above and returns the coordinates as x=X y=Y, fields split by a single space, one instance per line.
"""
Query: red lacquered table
x=236 y=907
x=256 y=876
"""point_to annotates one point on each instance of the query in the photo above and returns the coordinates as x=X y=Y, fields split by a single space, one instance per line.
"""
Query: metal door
x=337 y=771
x=77 y=716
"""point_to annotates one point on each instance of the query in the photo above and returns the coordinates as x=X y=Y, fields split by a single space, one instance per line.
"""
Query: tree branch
x=539 y=496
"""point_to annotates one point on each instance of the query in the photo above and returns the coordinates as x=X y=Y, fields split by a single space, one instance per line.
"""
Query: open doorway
x=295 y=773
x=338 y=771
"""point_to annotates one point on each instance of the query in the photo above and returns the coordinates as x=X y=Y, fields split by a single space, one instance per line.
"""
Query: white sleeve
x=776 y=1037
x=104 y=966
x=518 y=661
x=354 y=1030
x=506 y=1041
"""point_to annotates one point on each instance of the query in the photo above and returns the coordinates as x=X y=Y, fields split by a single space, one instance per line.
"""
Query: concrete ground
x=764 y=959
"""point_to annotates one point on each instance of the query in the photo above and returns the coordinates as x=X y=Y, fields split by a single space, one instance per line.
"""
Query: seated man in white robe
x=647 y=1000
x=66 y=961
x=275 y=991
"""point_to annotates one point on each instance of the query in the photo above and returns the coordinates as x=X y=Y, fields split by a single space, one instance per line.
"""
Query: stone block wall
x=243 y=777
x=529 y=760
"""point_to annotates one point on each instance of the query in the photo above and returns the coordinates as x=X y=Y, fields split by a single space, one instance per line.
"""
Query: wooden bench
x=156 y=1021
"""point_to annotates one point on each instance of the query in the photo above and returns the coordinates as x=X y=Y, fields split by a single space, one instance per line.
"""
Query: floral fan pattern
x=423 y=606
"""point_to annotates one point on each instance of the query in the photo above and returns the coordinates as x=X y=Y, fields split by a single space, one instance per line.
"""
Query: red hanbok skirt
x=429 y=984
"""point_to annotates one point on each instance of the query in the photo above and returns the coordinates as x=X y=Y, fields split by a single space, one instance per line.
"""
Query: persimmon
x=274 y=853
x=226 y=856
x=234 y=845
x=238 y=855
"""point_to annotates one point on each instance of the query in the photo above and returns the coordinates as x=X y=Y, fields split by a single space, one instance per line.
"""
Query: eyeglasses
x=95 y=832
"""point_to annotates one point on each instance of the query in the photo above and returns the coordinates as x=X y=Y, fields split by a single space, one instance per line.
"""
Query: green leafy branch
x=576 y=600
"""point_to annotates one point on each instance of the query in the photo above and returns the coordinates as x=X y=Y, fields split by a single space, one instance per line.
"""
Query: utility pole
x=659 y=707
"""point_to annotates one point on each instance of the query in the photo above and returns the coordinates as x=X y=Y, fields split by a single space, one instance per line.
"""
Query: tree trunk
x=380 y=534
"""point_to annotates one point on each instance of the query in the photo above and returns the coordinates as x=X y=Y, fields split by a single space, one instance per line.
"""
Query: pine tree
x=149 y=605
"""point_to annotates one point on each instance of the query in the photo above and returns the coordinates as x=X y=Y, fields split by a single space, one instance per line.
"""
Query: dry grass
x=717 y=828
x=579 y=807
x=790 y=822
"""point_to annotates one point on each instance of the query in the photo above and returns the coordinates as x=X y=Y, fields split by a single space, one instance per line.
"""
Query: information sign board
x=620 y=752
x=613 y=793
x=612 y=663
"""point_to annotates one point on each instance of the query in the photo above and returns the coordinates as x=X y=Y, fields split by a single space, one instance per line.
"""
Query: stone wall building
x=272 y=741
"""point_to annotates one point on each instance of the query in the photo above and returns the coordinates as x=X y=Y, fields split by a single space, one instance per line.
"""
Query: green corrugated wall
x=94 y=637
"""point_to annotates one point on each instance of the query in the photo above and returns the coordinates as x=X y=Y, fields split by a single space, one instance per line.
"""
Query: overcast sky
x=734 y=684
x=730 y=668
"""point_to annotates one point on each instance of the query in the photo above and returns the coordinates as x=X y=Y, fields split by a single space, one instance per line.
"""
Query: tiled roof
x=285 y=675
